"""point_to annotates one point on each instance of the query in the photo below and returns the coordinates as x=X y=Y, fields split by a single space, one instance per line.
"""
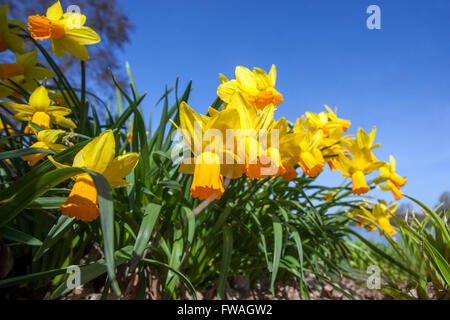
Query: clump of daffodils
x=262 y=146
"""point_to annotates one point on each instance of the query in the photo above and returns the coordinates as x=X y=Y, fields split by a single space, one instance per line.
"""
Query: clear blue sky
x=397 y=78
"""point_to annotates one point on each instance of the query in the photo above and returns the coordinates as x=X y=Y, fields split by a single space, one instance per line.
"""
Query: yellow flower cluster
x=261 y=146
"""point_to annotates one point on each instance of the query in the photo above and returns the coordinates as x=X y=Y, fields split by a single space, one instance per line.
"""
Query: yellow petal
x=61 y=111
x=50 y=136
x=23 y=116
x=77 y=50
x=98 y=154
x=188 y=120
x=39 y=99
x=119 y=168
x=227 y=89
x=63 y=122
x=58 y=47
x=83 y=35
x=57 y=164
x=19 y=107
x=55 y=12
x=246 y=78
x=261 y=78
x=273 y=75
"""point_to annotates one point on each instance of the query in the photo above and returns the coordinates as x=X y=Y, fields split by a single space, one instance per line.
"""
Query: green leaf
x=93 y=270
x=225 y=263
x=106 y=206
x=278 y=242
x=151 y=215
x=178 y=273
x=23 y=152
x=63 y=224
x=35 y=188
x=19 y=236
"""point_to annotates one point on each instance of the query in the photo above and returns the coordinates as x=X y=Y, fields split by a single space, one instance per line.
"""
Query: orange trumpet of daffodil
x=98 y=156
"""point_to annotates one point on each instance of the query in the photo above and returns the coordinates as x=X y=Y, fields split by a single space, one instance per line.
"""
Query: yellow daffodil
x=393 y=181
x=9 y=40
x=258 y=87
x=209 y=164
x=260 y=155
x=66 y=31
x=325 y=122
x=362 y=161
x=46 y=140
x=364 y=143
x=25 y=66
x=98 y=156
x=40 y=112
x=380 y=213
x=310 y=157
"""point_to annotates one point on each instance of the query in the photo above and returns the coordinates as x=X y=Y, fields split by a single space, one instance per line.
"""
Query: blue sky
x=397 y=78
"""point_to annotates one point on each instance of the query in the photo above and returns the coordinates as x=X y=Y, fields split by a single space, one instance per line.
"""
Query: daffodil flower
x=361 y=163
x=66 y=31
x=310 y=157
x=25 y=66
x=9 y=40
x=209 y=164
x=380 y=213
x=46 y=140
x=258 y=87
x=40 y=112
x=325 y=122
x=393 y=181
x=98 y=156
x=260 y=159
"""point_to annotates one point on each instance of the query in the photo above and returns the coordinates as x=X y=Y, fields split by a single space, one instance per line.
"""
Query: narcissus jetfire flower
x=310 y=157
x=255 y=147
x=98 y=156
x=393 y=181
x=362 y=161
x=380 y=213
x=209 y=164
x=40 y=112
x=9 y=40
x=325 y=122
x=258 y=87
x=46 y=140
x=66 y=31
x=25 y=66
